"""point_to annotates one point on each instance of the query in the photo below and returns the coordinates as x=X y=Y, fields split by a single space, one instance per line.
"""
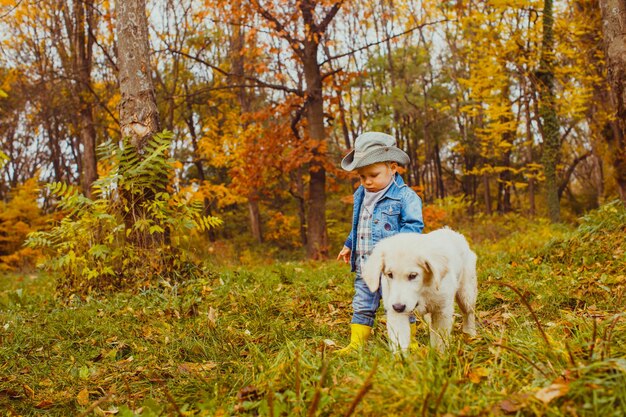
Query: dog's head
x=403 y=266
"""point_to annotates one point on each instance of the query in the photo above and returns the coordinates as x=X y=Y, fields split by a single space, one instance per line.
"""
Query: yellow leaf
x=83 y=397
x=30 y=393
x=477 y=374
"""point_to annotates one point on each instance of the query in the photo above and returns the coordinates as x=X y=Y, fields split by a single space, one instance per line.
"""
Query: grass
x=255 y=340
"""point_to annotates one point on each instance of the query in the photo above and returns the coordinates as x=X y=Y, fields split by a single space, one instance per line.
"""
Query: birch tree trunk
x=139 y=116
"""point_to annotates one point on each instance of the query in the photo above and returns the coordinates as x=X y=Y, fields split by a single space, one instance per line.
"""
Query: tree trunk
x=317 y=235
x=547 y=111
x=245 y=107
x=487 y=194
x=529 y=140
x=139 y=116
x=317 y=238
x=298 y=194
x=189 y=120
x=441 y=191
x=614 y=30
x=84 y=13
x=307 y=51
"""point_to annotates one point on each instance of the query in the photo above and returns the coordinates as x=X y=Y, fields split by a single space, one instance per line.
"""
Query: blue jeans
x=365 y=303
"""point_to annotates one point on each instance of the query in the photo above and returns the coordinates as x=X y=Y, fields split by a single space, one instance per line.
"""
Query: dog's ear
x=372 y=269
x=437 y=267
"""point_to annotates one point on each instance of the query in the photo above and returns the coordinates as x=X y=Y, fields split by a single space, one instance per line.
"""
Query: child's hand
x=344 y=254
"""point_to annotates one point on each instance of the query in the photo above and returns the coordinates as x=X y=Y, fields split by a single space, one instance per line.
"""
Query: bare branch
x=369 y=45
x=258 y=82
x=570 y=170
x=329 y=17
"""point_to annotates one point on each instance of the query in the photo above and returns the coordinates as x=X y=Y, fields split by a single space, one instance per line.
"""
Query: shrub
x=132 y=233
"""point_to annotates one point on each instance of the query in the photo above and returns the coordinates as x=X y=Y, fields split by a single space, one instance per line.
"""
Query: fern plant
x=131 y=233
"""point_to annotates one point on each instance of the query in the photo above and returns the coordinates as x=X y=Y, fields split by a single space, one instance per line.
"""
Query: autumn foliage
x=265 y=97
x=20 y=216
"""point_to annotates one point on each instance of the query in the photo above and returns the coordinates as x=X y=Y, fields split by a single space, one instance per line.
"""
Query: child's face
x=377 y=176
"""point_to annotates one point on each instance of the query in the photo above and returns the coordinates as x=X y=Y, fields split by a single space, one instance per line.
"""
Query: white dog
x=424 y=273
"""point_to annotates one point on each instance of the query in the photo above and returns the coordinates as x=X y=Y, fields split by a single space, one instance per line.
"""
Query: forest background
x=502 y=106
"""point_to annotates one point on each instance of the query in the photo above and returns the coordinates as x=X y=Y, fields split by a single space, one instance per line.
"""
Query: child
x=383 y=206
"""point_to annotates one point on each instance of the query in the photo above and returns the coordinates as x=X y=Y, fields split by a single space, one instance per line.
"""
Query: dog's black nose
x=399 y=307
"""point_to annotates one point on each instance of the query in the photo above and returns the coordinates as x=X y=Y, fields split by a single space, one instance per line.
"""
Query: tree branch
x=570 y=171
x=278 y=27
x=397 y=35
x=8 y=12
x=258 y=82
x=331 y=73
x=329 y=17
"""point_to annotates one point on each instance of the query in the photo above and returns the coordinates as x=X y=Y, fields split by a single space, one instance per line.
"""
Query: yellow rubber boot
x=359 y=333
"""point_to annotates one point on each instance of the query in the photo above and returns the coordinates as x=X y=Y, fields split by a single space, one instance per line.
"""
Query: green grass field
x=257 y=340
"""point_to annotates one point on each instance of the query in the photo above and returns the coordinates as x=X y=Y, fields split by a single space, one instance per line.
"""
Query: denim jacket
x=398 y=211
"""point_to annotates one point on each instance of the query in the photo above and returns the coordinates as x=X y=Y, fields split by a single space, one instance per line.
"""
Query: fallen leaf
x=248 y=393
x=191 y=367
x=212 y=317
x=551 y=392
x=514 y=404
x=44 y=404
x=7 y=392
x=30 y=393
x=83 y=397
x=476 y=374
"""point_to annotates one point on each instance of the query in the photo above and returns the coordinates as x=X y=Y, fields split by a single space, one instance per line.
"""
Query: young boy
x=383 y=206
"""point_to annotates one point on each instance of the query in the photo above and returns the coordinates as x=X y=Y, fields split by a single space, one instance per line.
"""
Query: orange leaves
x=269 y=150
x=434 y=217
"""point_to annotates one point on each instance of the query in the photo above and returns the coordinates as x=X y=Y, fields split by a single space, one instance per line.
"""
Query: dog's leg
x=466 y=305
x=441 y=327
x=466 y=295
x=398 y=331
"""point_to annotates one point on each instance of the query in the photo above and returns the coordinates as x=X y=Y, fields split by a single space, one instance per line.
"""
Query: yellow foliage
x=220 y=194
x=283 y=230
x=18 y=217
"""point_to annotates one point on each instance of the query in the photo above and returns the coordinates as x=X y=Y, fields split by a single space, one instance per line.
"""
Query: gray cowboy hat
x=372 y=147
